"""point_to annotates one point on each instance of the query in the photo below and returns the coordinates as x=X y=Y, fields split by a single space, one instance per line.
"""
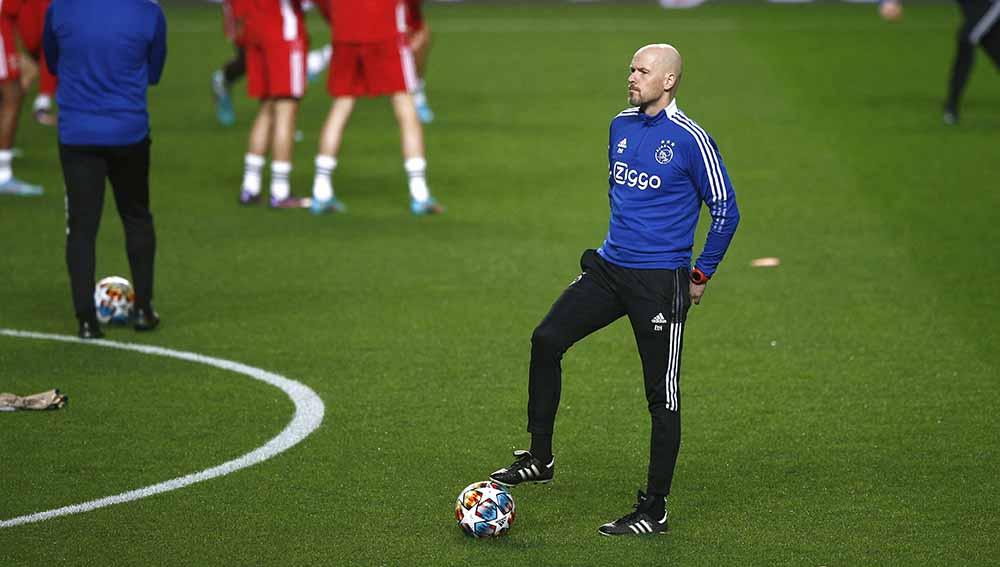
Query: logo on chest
x=624 y=175
x=664 y=152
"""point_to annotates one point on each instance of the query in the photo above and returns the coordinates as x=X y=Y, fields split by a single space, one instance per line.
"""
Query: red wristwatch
x=698 y=277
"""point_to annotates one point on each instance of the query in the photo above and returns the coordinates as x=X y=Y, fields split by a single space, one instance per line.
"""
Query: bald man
x=661 y=167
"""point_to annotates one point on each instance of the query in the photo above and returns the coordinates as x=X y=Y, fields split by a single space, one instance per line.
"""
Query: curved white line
x=309 y=411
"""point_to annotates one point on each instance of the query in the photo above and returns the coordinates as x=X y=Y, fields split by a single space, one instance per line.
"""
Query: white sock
x=319 y=59
x=5 y=170
x=416 y=169
x=280 y=188
x=252 y=165
x=322 y=183
x=42 y=102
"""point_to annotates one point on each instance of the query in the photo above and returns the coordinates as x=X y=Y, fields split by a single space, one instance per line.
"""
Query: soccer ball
x=114 y=299
x=484 y=509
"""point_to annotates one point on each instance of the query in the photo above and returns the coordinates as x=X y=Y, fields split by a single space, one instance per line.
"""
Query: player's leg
x=282 y=145
x=658 y=302
x=253 y=161
x=397 y=75
x=344 y=85
x=990 y=39
x=42 y=108
x=330 y=140
x=84 y=171
x=222 y=84
x=961 y=66
x=588 y=304
x=11 y=96
x=260 y=131
x=412 y=141
x=286 y=78
x=128 y=171
x=420 y=45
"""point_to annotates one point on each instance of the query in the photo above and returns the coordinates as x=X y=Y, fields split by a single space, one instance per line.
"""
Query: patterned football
x=484 y=509
x=113 y=300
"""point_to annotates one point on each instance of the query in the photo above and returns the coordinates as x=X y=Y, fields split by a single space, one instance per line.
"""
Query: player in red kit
x=11 y=95
x=371 y=57
x=418 y=35
x=276 y=47
x=30 y=22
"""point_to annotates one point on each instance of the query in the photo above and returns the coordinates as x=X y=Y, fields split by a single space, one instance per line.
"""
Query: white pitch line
x=309 y=410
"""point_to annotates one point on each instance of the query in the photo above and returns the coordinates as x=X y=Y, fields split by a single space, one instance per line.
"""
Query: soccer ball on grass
x=114 y=300
x=484 y=509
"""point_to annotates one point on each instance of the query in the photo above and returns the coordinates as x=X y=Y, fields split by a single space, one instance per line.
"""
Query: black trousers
x=974 y=13
x=656 y=303
x=84 y=170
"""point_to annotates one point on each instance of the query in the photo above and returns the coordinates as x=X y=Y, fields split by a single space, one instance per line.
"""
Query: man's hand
x=696 y=291
x=891 y=10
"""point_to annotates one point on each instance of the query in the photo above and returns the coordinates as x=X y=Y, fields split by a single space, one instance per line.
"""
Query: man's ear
x=669 y=81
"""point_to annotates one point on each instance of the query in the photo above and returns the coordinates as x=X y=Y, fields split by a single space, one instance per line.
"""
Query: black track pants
x=84 y=170
x=656 y=303
x=981 y=16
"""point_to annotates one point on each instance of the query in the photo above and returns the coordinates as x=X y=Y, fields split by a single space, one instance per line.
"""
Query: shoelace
x=522 y=462
x=633 y=517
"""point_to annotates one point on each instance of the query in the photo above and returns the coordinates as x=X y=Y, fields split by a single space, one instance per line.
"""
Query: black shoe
x=90 y=329
x=525 y=469
x=146 y=319
x=639 y=522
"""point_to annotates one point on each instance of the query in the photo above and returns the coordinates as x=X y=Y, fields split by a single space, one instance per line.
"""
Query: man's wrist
x=698 y=277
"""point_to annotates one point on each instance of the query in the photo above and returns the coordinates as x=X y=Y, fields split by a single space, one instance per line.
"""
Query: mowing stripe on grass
x=309 y=411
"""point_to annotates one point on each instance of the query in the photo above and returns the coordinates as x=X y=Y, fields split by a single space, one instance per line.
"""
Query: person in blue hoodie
x=662 y=169
x=106 y=53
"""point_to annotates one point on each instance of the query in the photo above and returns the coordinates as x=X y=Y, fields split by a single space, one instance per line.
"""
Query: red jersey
x=266 y=22
x=366 y=21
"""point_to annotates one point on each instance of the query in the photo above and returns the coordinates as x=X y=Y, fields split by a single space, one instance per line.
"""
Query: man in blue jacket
x=662 y=167
x=106 y=53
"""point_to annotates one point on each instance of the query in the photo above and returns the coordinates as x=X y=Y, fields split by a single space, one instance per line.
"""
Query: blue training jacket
x=105 y=53
x=660 y=170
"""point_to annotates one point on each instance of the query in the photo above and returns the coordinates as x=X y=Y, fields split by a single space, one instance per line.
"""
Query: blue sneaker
x=331 y=205
x=424 y=112
x=15 y=186
x=223 y=102
x=428 y=207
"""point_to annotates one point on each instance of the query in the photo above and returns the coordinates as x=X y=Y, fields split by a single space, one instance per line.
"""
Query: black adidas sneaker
x=639 y=522
x=525 y=469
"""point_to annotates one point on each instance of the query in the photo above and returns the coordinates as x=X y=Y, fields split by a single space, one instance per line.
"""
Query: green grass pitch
x=839 y=409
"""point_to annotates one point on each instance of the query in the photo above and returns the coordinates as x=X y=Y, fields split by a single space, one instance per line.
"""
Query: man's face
x=645 y=79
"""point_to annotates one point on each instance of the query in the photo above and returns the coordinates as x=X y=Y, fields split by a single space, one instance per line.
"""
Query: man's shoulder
x=693 y=131
x=626 y=115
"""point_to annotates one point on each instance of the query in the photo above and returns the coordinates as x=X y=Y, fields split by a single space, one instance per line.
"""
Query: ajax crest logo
x=664 y=152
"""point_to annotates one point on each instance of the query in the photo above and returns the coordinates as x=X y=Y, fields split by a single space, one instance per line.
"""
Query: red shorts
x=372 y=69
x=10 y=62
x=276 y=70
